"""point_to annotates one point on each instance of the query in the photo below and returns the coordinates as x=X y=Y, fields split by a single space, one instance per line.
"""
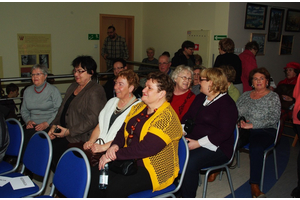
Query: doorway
x=124 y=27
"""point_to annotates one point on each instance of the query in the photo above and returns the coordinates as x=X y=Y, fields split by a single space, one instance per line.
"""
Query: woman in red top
x=285 y=90
x=182 y=96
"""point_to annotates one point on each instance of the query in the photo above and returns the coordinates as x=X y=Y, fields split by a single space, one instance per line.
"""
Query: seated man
x=12 y=91
x=118 y=66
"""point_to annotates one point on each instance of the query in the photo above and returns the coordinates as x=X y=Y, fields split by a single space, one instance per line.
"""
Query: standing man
x=184 y=56
x=248 y=63
x=114 y=47
x=164 y=65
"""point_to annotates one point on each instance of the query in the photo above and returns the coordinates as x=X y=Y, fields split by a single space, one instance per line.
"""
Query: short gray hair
x=181 y=68
x=43 y=68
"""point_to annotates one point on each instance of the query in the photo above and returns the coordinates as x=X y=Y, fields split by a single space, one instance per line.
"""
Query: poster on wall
x=33 y=49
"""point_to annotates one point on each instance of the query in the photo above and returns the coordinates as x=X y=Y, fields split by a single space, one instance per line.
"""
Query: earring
x=252 y=86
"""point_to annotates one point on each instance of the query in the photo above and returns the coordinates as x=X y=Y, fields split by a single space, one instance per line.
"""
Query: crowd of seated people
x=146 y=124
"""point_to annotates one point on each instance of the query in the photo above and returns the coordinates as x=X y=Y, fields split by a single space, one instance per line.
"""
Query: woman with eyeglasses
x=260 y=108
x=182 y=95
x=40 y=103
x=211 y=140
x=150 y=134
x=77 y=116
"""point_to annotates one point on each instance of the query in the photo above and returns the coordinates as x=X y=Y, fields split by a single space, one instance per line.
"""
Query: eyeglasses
x=185 y=78
x=118 y=68
x=192 y=49
x=203 y=79
x=164 y=63
x=78 y=71
x=37 y=74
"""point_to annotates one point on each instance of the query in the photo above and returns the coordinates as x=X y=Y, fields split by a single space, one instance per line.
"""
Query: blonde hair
x=150 y=48
x=218 y=78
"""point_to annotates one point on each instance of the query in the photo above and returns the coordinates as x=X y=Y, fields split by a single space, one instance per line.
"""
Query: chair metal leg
x=263 y=172
x=275 y=163
x=205 y=184
x=230 y=182
x=200 y=181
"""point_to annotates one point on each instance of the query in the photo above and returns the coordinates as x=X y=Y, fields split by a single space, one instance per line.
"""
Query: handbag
x=124 y=167
x=92 y=157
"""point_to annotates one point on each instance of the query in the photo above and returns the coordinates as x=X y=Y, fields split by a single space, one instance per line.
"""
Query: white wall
x=271 y=60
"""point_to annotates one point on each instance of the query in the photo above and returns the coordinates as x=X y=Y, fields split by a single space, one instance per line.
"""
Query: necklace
x=41 y=90
x=119 y=110
x=143 y=116
x=210 y=102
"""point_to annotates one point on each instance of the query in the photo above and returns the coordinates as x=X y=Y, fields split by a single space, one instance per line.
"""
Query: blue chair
x=16 y=135
x=37 y=159
x=267 y=150
x=183 y=154
x=225 y=165
x=72 y=176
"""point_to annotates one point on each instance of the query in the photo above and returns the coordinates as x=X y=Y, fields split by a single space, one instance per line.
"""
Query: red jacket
x=248 y=64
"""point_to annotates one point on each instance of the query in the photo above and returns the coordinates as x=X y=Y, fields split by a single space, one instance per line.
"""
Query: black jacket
x=180 y=59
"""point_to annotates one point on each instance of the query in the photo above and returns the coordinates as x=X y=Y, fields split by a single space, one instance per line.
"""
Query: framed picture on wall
x=255 y=16
x=260 y=38
x=292 y=22
x=286 y=45
x=275 y=24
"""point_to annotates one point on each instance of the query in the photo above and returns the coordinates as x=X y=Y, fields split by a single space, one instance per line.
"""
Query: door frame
x=129 y=36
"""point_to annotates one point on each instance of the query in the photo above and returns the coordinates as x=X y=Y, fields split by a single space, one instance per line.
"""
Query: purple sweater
x=217 y=121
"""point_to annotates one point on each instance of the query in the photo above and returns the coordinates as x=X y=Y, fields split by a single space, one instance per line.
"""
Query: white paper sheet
x=4 y=180
x=21 y=182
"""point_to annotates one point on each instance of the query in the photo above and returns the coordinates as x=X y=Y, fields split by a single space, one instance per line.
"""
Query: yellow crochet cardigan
x=164 y=166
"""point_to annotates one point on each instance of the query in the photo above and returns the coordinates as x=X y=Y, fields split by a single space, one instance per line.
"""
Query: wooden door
x=124 y=27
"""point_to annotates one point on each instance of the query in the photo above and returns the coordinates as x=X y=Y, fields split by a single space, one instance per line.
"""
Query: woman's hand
x=63 y=133
x=51 y=131
x=30 y=124
x=111 y=152
x=96 y=148
x=87 y=145
x=246 y=125
x=287 y=98
x=193 y=144
x=42 y=126
x=102 y=161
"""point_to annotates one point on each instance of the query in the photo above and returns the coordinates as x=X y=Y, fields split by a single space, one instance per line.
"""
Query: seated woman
x=285 y=90
x=182 y=96
x=150 y=134
x=261 y=109
x=40 y=103
x=211 y=140
x=115 y=111
x=229 y=71
x=78 y=113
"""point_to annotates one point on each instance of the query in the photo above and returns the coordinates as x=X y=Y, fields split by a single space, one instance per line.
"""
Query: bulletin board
x=201 y=38
x=33 y=49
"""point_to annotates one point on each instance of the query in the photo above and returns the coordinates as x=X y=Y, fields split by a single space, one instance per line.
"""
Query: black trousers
x=119 y=186
x=199 y=158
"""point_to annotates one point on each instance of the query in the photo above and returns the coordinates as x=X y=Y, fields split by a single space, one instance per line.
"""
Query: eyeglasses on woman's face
x=37 y=74
x=185 y=78
x=78 y=71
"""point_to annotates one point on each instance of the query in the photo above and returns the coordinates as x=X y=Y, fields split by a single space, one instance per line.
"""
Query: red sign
x=196 y=47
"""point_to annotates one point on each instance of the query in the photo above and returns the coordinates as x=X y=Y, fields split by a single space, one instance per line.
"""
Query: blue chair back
x=16 y=135
x=73 y=174
x=38 y=154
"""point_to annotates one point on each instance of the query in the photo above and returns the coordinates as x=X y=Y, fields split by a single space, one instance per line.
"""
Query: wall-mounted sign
x=93 y=37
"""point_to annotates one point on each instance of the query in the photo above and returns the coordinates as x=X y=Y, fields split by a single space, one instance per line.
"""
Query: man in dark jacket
x=184 y=56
